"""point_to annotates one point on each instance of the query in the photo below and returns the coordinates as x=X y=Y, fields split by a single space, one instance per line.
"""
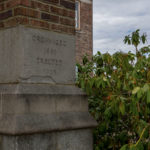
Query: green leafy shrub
x=118 y=86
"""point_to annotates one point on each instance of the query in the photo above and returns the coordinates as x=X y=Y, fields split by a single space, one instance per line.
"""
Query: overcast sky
x=113 y=19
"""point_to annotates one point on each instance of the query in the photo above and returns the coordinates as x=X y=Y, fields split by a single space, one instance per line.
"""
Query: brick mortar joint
x=40 y=11
x=61 y=16
x=58 y=2
x=5 y=10
x=4 y=2
x=36 y=19
x=68 y=33
x=52 y=4
x=43 y=3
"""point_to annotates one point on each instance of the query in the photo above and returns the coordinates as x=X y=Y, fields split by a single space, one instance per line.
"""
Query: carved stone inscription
x=49 y=57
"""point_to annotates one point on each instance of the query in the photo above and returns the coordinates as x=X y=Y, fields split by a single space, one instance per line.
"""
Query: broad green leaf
x=139 y=94
x=139 y=129
x=143 y=38
x=91 y=82
x=122 y=108
x=143 y=122
x=140 y=146
x=133 y=108
x=107 y=113
x=98 y=82
x=135 y=90
x=103 y=84
x=108 y=83
x=85 y=60
x=145 y=88
x=148 y=75
x=133 y=148
x=118 y=84
x=148 y=96
x=97 y=148
x=82 y=84
x=148 y=145
x=125 y=147
x=104 y=78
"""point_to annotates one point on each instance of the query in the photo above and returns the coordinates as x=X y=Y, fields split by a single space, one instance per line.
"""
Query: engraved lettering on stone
x=41 y=39
x=49 y=56
x=54 y=62
x=51 y=51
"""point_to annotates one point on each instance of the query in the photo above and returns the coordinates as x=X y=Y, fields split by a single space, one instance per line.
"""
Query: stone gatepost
x=40 y=107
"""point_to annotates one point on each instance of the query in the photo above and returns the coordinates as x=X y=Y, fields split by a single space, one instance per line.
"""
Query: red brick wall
x=56 y=15
x=84 y=36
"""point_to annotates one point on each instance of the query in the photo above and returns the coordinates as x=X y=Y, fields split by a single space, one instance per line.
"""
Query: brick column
x=53 y=15
x=84 y=36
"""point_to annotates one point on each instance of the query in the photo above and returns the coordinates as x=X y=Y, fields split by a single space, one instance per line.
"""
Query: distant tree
x=135 y=39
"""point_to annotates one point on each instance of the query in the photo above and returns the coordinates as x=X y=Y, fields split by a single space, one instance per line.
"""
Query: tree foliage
x=118 y=86
x=135 y=39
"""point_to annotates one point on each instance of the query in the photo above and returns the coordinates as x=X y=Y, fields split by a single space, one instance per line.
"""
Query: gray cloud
x=113 y=19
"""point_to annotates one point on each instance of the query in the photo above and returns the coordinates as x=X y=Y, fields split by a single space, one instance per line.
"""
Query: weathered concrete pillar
x=40 y=108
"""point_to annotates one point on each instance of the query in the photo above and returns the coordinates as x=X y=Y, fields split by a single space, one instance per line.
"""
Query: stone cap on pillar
x=28 y=109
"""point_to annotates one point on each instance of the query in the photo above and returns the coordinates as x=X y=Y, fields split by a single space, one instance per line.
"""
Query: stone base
x=36 y=108
x=44 y=117
x=66 y=140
